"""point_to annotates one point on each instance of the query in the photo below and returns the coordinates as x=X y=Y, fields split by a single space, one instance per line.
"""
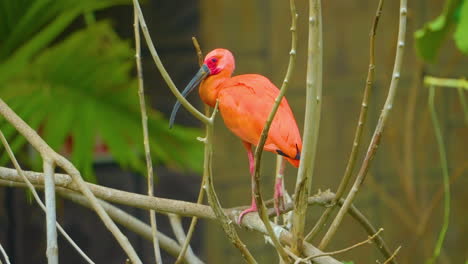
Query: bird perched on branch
x=245 y=101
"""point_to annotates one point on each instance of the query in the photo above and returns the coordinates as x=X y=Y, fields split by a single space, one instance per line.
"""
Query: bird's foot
x=278 y=196
x=252 y=208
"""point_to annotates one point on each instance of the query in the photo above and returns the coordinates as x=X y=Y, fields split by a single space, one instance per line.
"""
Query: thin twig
x=360 y=126
x=259 y=149
x=250 y=221
x=392 y=256
x=446 y=82
x=133 y=224
x=36 y=196
x=213 y=200
x=144 y=122
x=312 y=121
x=176 y=225
x=372 y=149
x=445 y=176
x=201 y=192
x=52 y=246
x=5 y=256
x=48 y=153
x=167 y=78
x=119 y=216
x=368 y=240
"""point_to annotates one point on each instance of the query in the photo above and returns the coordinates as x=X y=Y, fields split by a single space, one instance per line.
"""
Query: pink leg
x=278 y=195
x=253 y=207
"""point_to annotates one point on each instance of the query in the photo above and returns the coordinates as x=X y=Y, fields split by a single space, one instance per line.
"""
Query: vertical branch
x=178 y=230
x=201 y=193
x=5 y=256
x=213 y=200
x=162 y=70
x=46 y=152
x=445 y=174
x=374 y=144
x=49 y=184
x=312 y=121
x=358 y=134
x=36 y=196
x=144 y=122
x=259 y=149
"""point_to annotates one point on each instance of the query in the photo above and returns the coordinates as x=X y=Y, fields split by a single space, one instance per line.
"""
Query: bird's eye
x=214 y=60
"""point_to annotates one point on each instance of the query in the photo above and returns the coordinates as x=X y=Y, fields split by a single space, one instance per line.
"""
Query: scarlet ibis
x=245 y=101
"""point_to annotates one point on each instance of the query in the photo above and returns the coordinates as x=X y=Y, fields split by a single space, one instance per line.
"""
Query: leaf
x=461 y=32
x=87 y=91
x=429 y=39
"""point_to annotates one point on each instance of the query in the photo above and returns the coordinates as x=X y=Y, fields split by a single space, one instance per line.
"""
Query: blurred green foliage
x=79 y=85
x=429 y=39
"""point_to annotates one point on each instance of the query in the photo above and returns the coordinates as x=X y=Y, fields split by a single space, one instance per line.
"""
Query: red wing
x=245 y=102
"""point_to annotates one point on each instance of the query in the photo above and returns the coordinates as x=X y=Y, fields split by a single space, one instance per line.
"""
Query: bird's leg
x=253 y=207
x=279 y=188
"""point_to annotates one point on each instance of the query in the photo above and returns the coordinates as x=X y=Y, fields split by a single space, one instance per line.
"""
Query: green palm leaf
x=82 y=87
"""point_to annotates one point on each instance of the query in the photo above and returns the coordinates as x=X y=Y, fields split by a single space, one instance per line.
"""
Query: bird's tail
x=294 y=162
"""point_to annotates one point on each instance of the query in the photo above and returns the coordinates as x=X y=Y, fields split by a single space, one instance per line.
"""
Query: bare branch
x=48 y=153
x=445 y=82
x=21 y=174
x=250 y=221
x=144 y=123
x=178 y=230
x=372 y=149
x=358 y=134
x=259 y=149
x=392 y=256
x=201 y=192
x=52 y=246
x=312 y=121
x=163 y=71
x=368 y=240
x=5 y=256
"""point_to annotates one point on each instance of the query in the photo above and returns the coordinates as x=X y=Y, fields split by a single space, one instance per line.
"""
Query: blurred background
x=67 y=68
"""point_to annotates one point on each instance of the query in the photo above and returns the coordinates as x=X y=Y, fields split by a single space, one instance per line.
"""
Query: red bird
x=245 y=101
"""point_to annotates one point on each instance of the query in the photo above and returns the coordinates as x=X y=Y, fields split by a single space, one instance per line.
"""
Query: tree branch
x=312 y=121
x=5 y=256
x=263 y=137
x=250 y=221
x=21 y=173
x=52 y=246
x=358 y=134
x=201 y=192
x=372 y=149
x=162 y=70
x=48 y=153
x=119 y=216
x=144 y=123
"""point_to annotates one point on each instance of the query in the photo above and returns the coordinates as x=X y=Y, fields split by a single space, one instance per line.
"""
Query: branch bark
x=372 y=149
x=144 y=123
x=358 y=134
x=312 y=121
x=48 y=153
x=250 y=221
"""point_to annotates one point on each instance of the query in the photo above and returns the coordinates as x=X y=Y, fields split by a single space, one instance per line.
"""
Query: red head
x=219 y=63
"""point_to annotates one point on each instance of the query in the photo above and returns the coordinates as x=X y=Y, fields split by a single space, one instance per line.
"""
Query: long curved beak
x=196 y=80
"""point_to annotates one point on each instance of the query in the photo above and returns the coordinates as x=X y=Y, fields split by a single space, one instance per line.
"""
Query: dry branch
x=360 y=126
x=372 y=149
x=144 y=123
x=312 y=121
x=48 y=153
x=250 y=221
